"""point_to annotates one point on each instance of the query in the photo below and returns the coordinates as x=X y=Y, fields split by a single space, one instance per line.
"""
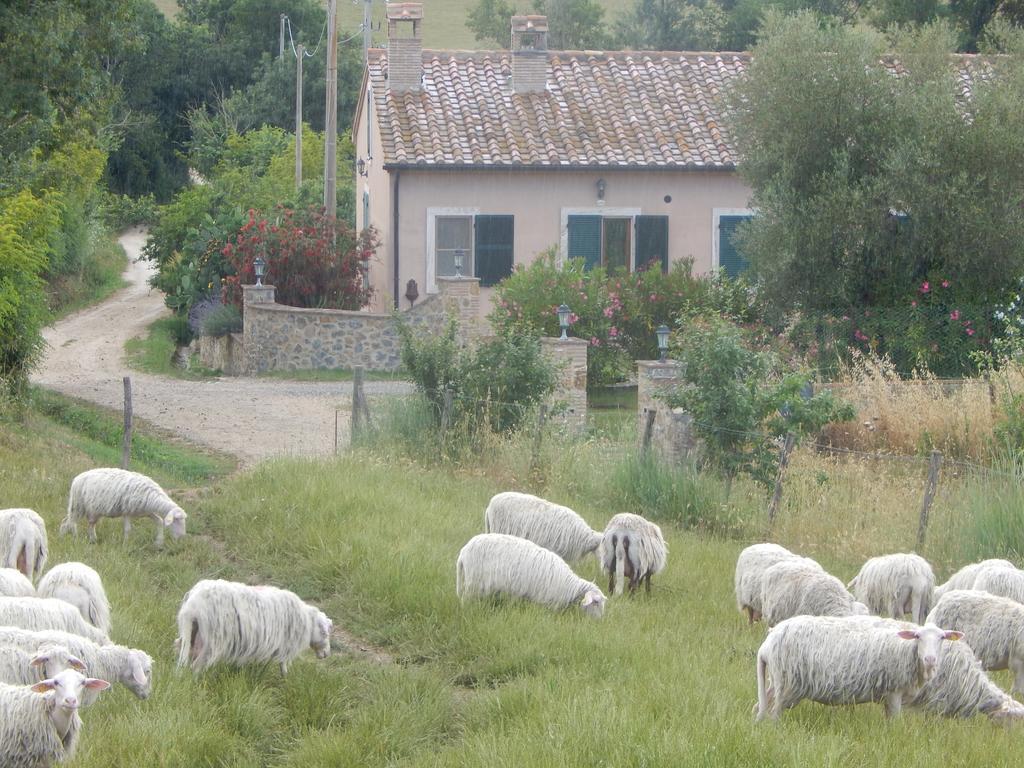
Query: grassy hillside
x=665 y=680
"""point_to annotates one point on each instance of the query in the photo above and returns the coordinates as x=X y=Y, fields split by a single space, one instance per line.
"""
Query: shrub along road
x=249 y=418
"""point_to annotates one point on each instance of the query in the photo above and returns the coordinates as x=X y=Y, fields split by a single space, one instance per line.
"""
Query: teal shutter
x=652 y=241
x=493 y=247
x=585 y=239
x=729 y=258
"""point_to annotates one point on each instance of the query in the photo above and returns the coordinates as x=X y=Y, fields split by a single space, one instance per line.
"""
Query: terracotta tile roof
x=600 y=109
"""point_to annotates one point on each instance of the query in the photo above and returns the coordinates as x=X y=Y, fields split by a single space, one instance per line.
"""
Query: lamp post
x=259 y=265
x=662 y=332
x=458 y=263
x=563 y=321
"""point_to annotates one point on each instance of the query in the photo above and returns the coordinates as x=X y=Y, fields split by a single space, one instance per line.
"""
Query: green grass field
x=665 y=680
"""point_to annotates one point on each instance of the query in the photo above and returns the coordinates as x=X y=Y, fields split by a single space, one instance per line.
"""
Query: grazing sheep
x=39 y=724
x=39 y=613
x=1007 y=582
x=79 y=585
x=23 y=542
x=227 y=621
x=964 y=578
x=801 y=586
x=13 y=583
x=961 y=688
x=21 y=667
x=129 y=666
x=993 y=626
x=750 y=568
x=110 y=492
x=895 y=584
x=631 y=548
x=499 y=564
x=842 y=661
x=552 y=526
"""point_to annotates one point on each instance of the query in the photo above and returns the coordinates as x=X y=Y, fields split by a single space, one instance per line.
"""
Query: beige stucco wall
x=378 y=183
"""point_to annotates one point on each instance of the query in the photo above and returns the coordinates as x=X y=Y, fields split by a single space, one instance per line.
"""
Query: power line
x=311 y=54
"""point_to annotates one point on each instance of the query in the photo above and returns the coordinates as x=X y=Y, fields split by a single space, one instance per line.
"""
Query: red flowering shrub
x=313 y=260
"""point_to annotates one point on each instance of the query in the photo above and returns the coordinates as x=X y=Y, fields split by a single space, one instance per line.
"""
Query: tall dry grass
x=914 y=416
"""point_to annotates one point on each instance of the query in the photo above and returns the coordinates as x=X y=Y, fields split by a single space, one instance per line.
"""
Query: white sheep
x=960 y=688
x=21 y=667
x=81 y=586
x=39 y=724
x=496 y=563
x=39 y=613
x=550 y=525
x=13 y=583
x=843 y=661
x=993 y=626
x=750 y=567
x=131 y=667
x=799 y=586
x=239 y=624
x=1007 y=582
x=110 y=492
x=895 y=584
x=964 y=578
x=23 y=543
x=631 y=548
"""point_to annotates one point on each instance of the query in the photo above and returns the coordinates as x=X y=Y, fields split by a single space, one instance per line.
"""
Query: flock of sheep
x=55 y=626
x=529 y=543
x=832 y=646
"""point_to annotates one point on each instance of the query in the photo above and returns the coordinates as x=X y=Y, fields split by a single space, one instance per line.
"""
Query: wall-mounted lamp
x=361 y=166
x=601 y=186
x=662 y=333
x=412 y=292
x=259 y=266
x=563 y=321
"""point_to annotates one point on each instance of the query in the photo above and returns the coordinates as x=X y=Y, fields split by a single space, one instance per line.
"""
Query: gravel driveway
x=250 y=418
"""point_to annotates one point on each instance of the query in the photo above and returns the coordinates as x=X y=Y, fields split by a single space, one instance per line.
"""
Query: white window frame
x=716 y=218
x=604 y=212
x=431 y=267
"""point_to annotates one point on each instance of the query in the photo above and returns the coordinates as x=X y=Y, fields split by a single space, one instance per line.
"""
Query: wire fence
x=823 y=498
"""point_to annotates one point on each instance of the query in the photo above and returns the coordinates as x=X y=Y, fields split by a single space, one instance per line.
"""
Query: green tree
x=490 y=21
x=672 y=25
x=573 y=24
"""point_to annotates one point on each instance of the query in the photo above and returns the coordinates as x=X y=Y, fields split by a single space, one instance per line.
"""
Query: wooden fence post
x=542 y=416
x=335 y=431
x=446 y=410
x=126 y=442
x=934 y=463
x=773 y=505
x=645 y=437
x=360 y=408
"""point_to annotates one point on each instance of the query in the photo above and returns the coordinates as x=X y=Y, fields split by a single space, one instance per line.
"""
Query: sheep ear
x=137 y=674
x=96 y=684
x=952 y=635
x=908 y=634
x=44 y=686
x=39 y=660
x=587 y=599
x=76 y=663
x=168 y=518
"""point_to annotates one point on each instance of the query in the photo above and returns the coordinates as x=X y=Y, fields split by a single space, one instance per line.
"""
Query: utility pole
x=301 y=51
x=280 y=39
x=367 y=27
x=331 y=118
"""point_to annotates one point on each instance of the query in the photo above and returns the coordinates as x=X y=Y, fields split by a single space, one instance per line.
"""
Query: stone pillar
x=253 y=334
x=672 y=435
x=570 y=395
x=461 y=296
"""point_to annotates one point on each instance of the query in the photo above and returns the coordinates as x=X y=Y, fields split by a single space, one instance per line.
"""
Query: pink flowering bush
x=616 y=313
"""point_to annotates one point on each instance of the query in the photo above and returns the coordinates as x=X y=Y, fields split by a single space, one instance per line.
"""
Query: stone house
x=489 y=158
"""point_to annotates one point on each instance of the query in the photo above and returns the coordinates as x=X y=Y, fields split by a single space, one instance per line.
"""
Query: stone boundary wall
x=672 y=436
x=281 y=338
x=222 y=353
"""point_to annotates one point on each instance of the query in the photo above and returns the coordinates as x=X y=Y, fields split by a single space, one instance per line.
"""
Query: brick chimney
x=405 y=46
x=529 y=54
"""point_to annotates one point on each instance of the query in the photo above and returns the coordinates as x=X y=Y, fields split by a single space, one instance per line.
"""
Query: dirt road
x=249 y=417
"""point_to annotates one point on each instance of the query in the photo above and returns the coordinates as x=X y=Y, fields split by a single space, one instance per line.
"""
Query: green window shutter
x=729 y=258
x=585 y=239
x=652 y=241
x=493 y=247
